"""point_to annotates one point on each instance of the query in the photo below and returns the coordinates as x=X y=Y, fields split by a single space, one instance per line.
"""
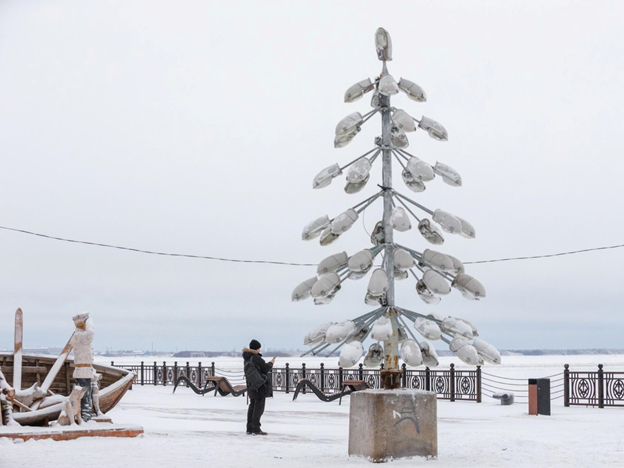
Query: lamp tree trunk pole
x=391 y=347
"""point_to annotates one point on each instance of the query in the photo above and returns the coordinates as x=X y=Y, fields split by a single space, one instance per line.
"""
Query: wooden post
x=322 y=377
x=38 y=374
x=142 y=374
x=600 y=386
x=566 y=385
x=287 y=379
x=427 y=379
x=452 y=382
x=478 y=384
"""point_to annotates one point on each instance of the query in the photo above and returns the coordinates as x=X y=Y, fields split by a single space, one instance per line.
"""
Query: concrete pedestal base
x=387 y=424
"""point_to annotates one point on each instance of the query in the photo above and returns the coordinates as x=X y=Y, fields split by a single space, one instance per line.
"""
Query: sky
x=197 y=127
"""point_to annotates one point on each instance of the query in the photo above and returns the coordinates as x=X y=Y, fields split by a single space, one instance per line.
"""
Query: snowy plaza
x=185 y=429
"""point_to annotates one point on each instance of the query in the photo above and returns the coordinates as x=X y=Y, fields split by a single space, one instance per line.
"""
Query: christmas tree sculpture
x=435 y=272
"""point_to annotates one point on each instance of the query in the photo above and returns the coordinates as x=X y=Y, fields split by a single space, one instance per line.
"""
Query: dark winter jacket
x=263 y=367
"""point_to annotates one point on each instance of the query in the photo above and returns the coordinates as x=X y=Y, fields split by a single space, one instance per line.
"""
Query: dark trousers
x=86 y=404
x=254 y=413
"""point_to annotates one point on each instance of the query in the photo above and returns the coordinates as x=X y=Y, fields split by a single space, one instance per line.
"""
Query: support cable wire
x=511 y=378
x=273 y=262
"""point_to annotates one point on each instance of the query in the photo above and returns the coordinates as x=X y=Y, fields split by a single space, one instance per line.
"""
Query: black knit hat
x=254 y=344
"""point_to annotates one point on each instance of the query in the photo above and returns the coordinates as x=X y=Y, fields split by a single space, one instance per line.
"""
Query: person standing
x=82 y=343
x=257 y=377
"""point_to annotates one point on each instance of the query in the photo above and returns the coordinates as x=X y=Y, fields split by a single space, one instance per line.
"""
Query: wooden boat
x=114 y=384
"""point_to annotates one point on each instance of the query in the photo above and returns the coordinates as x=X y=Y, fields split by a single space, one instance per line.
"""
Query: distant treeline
x=509 y=352
x=202 y=354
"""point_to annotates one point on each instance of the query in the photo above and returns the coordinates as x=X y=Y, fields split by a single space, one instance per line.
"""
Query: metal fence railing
x=449 y=384
x=593 y=388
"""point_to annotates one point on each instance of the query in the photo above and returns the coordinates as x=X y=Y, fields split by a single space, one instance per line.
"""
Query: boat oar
x=47 y=383
x=17 y=403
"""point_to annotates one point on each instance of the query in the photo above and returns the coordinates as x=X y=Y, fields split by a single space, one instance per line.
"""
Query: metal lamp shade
x=374 y=356
x=411 y=354
x=358 y=171
x=403 y=260
x=470 y=287
x=433 y=128
x=314 y=228
x=488 y=352
x=465 y=352
x=349 y=124
x=398 y=139
x=382 y=329
x=302 y=291
x=358 y=90
x=328 y=237
x=316 y=335
x=411 y=183
x=436 y=283
x=467 y=229
x=430 y=357
x=343 y=222
x=458 y=266
x=325 y=285
x=387 y=86
x=430 y=232
x=324 y=178
x=428 y=328
x=339 y=331
x=361 y=261
x=426 y=294
x=420 y=170
x=383 y=45
x=332 y=263
x=413 y=91
x=344 y=140
x=437 y=260
x=447 y=221
x=449 y=175
x=378 y=284
x=355 y=187
x=399 y=219
x=350 y=354
x=403 y=121
x=457 y=328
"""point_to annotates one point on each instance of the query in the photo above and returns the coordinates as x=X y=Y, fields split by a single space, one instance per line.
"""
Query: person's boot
x=260 y=432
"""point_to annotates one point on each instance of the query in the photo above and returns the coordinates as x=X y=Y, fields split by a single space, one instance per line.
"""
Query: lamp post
x=432 y=270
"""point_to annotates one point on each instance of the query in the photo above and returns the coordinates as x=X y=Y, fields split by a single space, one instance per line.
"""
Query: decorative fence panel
x=589 y=388
x=450 y=384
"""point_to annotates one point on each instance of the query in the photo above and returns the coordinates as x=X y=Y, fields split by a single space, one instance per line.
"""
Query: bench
x=219 y=384
x=348 y=387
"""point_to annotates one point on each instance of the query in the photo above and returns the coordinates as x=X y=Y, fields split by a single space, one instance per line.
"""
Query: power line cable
x=273 y=262
x=560 y=254
x=150 y=252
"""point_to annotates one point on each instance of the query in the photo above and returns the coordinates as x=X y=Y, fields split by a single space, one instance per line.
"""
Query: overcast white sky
x=197 y=127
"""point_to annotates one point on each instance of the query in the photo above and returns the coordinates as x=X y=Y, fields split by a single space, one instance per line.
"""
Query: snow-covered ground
x=185 y=429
